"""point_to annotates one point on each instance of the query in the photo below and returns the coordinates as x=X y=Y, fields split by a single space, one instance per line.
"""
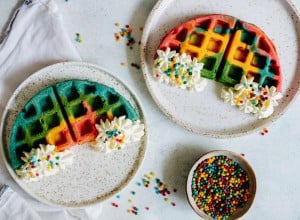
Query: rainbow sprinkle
x=152 y=184
x=114 y=204
x=125 y=32
x=220 y=186
x=161 y=188
x=78 y=38
x=134 y=210
x=264 y=131
x=135 y=65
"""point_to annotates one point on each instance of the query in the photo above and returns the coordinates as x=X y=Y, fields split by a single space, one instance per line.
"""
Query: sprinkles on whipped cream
x=179 y=70
x=151 y=184
x=115 y=134
x=252 y=98
x=43 y=161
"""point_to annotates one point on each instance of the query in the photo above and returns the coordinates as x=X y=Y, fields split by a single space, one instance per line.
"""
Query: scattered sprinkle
x=78 y=38
x=242 y=154
x=114 y=204
x=161 y=188
x=145 y=182
x=125 y=32
x=264 y=131
x=135 y=65
x=134 y=210
x=153 y=184
x=123 y=64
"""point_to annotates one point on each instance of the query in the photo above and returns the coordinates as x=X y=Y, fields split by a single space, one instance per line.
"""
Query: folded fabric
x=12 y=206
x=35 y=38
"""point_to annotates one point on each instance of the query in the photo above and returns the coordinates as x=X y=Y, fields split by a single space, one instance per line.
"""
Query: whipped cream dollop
x=252 y=98
x=179 y=70
x=43 y=161
x=115 y=134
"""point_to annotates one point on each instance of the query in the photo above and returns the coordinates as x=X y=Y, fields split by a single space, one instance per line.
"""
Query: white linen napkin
x=35 y=38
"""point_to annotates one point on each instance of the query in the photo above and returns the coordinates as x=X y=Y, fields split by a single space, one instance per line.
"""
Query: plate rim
x=146 y=74
x=106 y=196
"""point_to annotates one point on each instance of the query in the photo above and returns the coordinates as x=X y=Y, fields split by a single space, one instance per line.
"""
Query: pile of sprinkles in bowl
x=220 y=186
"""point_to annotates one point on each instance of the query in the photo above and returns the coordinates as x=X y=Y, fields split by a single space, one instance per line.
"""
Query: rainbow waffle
x=228 y=48
x=65 y=114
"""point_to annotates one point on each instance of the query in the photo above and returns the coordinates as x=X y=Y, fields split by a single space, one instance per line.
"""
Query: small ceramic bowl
x=211 y=195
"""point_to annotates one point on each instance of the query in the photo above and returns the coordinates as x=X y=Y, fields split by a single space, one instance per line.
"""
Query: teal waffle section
x=39 y=115
x=100 y=97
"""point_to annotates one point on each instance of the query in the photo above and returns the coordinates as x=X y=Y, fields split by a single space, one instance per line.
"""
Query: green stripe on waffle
x=33 y=123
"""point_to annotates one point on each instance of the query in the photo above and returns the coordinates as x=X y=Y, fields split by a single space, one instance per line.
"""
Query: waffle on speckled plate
x=65 y=114
x=228 y=50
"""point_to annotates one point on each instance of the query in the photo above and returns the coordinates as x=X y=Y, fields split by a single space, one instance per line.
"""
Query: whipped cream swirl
x=115 y=134
x=43 y=161
x=252 y=98
x=179 y=70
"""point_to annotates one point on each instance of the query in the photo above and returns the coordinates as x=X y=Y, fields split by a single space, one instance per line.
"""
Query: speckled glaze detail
x=209 y=115
x=114 y=171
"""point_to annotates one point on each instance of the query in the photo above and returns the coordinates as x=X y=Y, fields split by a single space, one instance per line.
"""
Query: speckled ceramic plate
x=205 y=113
x=94 y=176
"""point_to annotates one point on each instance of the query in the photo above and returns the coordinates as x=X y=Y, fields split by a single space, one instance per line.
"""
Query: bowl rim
x=242 y=162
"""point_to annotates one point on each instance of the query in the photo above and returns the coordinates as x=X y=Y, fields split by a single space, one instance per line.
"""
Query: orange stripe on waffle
x=60 y=137
x=84 y=127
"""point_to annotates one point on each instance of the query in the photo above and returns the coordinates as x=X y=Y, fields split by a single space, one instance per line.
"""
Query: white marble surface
x=275 y=157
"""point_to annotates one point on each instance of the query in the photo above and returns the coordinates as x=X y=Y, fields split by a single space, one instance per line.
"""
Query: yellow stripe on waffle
x=57 y=135
x=241 y=55
x=205 y=44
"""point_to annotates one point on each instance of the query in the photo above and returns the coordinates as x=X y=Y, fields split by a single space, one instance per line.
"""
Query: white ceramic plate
x=93 y=176
x=205 y=113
